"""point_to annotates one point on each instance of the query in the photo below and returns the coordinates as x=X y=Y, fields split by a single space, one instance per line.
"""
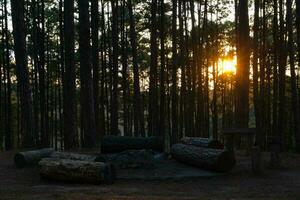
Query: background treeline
x=73 y=71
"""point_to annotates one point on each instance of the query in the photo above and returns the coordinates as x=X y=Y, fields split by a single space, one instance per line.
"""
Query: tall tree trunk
x=275 y=68
x=242 y=74
x=114 y=98
x=162 y=129
x=139 y=128
x=174 y=111
x=255 y=69
x=9 y=137
x=87 y=97
x=41 y=69
x=19 y=33
x=291 y=52
x=69 y=88
x=153 y=96
x=95 y=60
x=282 y=70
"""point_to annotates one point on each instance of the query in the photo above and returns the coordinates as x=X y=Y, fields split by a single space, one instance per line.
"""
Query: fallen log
x=115 y=144
x=31 y=158
x=73 y=156
x=202 y=142
x=76 y=171
x=206 y=158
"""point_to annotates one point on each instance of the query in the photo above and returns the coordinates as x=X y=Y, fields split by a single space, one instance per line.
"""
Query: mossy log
x=115 y=144
x=77 y=171
x=73 y=156
x=202 y=142
x=206 y=158
x=31 y=158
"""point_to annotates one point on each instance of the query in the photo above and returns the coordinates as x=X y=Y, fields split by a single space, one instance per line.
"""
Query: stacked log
x=206 y=158
x=31 y=158
x=116 y=144
x=76 y=171
x=73 y=156
x=202 y=142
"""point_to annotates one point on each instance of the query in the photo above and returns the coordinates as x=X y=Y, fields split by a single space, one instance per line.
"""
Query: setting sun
x=228 y=66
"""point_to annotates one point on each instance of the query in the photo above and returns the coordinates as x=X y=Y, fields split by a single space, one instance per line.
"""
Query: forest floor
x=284 y=183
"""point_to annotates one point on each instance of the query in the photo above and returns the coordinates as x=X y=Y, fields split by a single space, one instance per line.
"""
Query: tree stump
x=76 y=171
x=206 y=158
x=31 y=158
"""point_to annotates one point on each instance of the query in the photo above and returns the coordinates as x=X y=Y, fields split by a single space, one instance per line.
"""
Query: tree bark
x=291 y=52
x=69 y=88
x=153 y=96
x=202 y=142
x=31 y=158
x=139 y=128
x=242 y=74
x=87 y=97
x=210 y=159
x=19 y=33
x=76 y=171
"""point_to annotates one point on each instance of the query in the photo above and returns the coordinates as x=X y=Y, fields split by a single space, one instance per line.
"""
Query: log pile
x=76 y=171
x=202 y=142
x=206 y=158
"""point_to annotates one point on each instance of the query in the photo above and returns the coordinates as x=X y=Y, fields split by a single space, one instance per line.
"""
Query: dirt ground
x=19 y=184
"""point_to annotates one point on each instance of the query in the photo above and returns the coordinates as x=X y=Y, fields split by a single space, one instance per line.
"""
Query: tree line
x=73 y=71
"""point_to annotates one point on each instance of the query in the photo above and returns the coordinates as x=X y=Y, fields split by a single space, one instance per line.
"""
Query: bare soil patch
x=239 y=184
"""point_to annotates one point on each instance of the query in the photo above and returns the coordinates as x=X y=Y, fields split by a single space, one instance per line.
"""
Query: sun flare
x=228 y=66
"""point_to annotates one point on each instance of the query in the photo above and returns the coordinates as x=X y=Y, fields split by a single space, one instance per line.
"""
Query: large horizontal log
x=31 y=158
x=115 y=144
x=206 y=158
x=76 y=171
x=202 y=142
x=73 y=156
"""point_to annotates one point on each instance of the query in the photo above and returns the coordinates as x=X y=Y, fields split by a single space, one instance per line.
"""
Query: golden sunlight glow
x=228 y=66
